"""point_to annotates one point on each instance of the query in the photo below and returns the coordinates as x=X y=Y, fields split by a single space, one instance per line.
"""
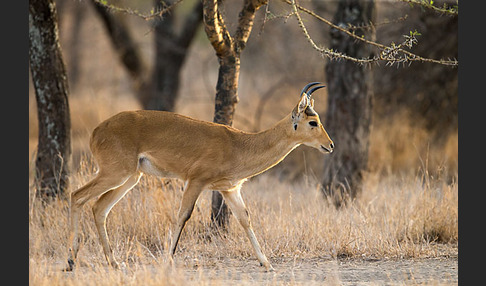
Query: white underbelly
x=147 y=167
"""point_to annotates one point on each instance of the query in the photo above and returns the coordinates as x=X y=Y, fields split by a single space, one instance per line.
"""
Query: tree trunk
x=158 y=91
x=224 y=110
x=427 y=90
x=171 y=49
x=51 y=90
x=123 y=43
x=74 y=57
x=228 y=50
x=348 y=118
x=227 y=89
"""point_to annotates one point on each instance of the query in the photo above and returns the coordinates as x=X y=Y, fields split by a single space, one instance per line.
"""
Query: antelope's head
x=307 y=126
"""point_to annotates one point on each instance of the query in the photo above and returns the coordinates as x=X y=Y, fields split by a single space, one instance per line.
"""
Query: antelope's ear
x=300 y=109
x=303 y=103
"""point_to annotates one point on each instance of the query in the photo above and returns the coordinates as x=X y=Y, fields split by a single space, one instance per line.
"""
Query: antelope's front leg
x=237 y=206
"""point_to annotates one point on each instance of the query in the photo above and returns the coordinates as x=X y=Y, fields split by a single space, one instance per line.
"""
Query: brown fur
x=206 y=155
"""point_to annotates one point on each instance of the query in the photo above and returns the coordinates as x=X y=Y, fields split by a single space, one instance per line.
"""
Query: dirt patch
x=234 y=271
x=435 y=271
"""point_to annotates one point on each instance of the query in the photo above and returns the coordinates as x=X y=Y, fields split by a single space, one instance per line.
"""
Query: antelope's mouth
x=326 y=149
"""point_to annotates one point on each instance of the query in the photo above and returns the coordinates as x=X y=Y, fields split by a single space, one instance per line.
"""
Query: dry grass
x=400 y=144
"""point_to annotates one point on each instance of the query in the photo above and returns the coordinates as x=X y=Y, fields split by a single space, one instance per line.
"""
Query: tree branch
x=245 y=22
x=153 y=13
x=391 y=54
x=191 y=25
x=215 y=28
x=429 y=4
x=123 y=42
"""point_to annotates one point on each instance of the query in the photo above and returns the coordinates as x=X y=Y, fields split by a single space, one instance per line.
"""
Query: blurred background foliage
x=414 y=121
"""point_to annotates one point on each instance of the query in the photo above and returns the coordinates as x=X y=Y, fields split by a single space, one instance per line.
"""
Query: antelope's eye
x=313 y=123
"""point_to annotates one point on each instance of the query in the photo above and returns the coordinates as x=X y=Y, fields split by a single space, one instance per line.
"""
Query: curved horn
x=314 y=89
x=308 y=86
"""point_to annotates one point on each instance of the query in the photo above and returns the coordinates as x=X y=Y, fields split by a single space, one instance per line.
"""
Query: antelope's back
x=161 y=134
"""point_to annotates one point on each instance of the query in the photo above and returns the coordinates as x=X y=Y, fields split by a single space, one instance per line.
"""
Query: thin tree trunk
x=51 y=90
x=159 y=90
x=228 y=50
x=224 y=110
x=74 y=57
x=348 y=118
x=171 y=49
x=123 y=43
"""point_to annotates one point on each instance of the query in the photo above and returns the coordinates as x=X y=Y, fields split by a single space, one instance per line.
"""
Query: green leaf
x=415 y=33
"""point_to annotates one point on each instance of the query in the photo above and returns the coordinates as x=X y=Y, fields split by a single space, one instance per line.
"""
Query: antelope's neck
x=267 y=148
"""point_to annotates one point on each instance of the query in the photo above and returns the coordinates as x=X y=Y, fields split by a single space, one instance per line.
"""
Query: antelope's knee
x=78 y=200
x=98 y=212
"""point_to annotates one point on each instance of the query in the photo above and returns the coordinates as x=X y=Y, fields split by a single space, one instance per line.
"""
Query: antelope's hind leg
x=189 y=198
x=102 y=208
x=101 y=184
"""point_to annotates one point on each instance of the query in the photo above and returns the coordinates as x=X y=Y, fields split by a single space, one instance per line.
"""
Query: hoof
x=70 y=266
x=169 y=259
x=268 y=267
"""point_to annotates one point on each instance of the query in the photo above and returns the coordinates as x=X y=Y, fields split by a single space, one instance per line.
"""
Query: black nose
x=331 y=145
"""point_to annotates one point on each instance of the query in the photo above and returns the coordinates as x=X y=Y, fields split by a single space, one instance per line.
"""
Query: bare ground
x=315 y=271
x=328 y=271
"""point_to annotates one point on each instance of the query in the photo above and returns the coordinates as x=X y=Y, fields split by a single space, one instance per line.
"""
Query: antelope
x=206 y=155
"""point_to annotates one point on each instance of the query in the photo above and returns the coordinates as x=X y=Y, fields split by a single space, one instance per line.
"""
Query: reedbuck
x=205 y=155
